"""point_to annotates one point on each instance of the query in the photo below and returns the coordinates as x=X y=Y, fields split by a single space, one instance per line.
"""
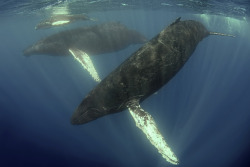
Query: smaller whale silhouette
x=61 y=19
x=141 y=75
x=87 y=41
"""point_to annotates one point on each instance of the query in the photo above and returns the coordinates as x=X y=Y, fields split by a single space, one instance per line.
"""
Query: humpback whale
x=61 y=19
x=141 y=75
x=85 y=41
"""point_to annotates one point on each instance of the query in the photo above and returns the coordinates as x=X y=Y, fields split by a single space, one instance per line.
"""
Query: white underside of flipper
x=86 y=62
x=60 y=22
x=146 y=123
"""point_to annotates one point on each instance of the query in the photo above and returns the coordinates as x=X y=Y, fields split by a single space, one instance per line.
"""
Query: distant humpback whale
x=141 y=75
x=61 y=19
x=84 y=41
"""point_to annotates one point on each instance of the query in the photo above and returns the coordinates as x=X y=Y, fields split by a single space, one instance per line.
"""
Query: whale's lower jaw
x=84 y=114
x=83 y=117
x=33 y=50
x=45 y=50
x=28 y=52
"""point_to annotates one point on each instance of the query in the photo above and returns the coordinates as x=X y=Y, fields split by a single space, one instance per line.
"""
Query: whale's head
x=87 y=111
x=84 y=115
x=98 y=103
x=137 y=38
x=46 y=47
x=34 y=49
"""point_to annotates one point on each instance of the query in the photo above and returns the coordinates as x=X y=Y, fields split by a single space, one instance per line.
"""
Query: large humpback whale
x=141 y=75
x=84 y=41
x=97 y=39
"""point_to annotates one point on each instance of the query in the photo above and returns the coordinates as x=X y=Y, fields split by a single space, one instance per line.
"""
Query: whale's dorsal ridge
x=176 y=21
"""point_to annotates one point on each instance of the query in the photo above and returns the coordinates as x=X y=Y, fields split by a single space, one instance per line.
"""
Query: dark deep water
x=203 y=113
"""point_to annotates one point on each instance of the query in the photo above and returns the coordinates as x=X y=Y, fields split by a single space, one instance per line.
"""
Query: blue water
x=203 y=112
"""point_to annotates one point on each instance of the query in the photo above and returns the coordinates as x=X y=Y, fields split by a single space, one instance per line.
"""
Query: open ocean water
x=203 y=112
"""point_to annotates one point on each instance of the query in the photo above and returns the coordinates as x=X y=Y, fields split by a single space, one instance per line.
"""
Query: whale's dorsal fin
x=84 y=59
x=146 y=123
x=176 y=21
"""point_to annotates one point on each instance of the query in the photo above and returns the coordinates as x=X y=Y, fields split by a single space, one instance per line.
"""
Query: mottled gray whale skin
x=144 y=73
x=94 y=40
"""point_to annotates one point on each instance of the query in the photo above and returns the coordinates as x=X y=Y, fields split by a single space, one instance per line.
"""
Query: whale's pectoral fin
x=86 y=62
x=146 y=123
x=60 y=22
